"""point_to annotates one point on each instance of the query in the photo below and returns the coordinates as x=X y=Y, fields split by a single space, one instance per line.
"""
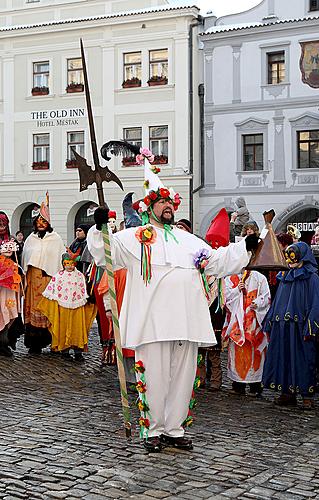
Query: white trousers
x=170 y=370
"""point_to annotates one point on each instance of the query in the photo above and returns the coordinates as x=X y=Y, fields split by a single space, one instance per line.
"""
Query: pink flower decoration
x=59 y=288
x=49 y=287
x=145 y=152
x=59 y=295
x=139 y=159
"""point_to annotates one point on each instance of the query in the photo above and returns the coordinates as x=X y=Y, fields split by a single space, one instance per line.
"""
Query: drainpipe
x=201 y=94
x=191 y=113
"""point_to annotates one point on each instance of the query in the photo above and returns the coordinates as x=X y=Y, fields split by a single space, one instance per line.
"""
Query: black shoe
x=78 y=356
x=35 y=350
x=6 y=351
x=182 y=443
x=67 y=356
x=153 y=444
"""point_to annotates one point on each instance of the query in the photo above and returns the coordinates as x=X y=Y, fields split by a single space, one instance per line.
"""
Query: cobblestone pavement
x=61 y=437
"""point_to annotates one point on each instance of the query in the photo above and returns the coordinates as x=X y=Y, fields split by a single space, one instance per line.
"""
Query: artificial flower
x=145 y=152
x=147 y=201
x=146 y=234
x=155 y=169
x=196 y=383
x=139 y=159
x=139 y=367
x=152 y=195
x=142 y=207
x=164 y=193
x=188 y=421
x=142 y=406
x=144 y=422
x=141 y=387
x=201 y=256
x=192 y=404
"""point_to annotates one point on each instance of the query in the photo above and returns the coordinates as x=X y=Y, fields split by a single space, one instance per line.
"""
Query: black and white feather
x=119 y=148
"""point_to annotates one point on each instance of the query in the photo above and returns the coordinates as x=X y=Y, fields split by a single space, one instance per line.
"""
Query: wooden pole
x=116 y=329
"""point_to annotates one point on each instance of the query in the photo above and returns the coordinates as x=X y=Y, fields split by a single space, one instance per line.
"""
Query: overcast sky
x=219 y=7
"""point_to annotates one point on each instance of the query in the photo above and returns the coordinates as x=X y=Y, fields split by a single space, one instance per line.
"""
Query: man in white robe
x=166 y=320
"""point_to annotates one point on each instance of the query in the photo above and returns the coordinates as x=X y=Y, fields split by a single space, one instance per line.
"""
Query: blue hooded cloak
x=292 y=324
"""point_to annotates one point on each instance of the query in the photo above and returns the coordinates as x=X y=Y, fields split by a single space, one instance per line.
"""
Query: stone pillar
x=8 y=117
x=210 y=180
x=208 y=76
x=236 y=74
x=279 y=151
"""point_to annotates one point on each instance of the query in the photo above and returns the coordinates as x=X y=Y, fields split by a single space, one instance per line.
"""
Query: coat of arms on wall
x=309 y=63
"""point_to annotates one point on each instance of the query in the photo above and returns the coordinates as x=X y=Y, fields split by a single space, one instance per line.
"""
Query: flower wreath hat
x=154 y=191
x=154 y=188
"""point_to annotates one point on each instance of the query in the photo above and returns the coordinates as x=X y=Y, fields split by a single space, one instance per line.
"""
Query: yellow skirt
x=68 y=327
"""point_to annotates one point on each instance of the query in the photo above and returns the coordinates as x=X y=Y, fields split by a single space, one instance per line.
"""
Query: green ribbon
x=168 y=230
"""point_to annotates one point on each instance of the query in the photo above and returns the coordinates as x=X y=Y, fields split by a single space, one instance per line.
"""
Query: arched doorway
x=305 y=220
x=26 y=219
x=85 y=214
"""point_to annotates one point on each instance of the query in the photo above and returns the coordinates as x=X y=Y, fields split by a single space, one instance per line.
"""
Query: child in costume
x=65 y=305
x=292 y=324
x=9 y=294
x=247 y=301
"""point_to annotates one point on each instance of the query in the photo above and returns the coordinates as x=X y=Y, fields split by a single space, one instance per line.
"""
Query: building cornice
x=261 y=31
x=255 y=106
x=106 y=19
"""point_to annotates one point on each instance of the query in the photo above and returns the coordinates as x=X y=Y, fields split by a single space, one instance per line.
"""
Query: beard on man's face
x=167 y=216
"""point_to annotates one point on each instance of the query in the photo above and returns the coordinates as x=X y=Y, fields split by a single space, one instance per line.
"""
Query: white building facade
x=262 y=113
x=138 y=66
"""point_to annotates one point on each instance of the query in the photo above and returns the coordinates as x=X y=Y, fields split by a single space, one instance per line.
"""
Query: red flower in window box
x=40 y=91
x=40 y=165
x=129 y=161
x=71 y=164
x=157 y=80
x=74 y=87
x=161 y=159
x=131 y=82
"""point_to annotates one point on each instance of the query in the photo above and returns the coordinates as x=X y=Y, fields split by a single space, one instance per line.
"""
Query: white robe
x=173 y=306
x=44 y=253
x=246 y=358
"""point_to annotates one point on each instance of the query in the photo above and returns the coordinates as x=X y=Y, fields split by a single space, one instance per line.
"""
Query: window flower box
x=40 y=165
x=74 y=87
x=71 y=164
x=131 y=83
x=160 y=160
x=129 y=161
x=157 y=80
x=40 y=91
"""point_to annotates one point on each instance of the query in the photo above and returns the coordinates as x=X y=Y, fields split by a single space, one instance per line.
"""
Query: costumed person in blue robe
x=292 y=323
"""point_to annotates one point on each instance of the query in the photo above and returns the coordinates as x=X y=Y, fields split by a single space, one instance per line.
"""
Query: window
x=276 y=67
x=133 y=68
x=75 y=71
x=253 y=152
x=41 y=75
x=308 y=149
x=158 y=65
x=75 y=141
x=314 y=5
x=134 y=136
x=41 y=151
x=159 y=143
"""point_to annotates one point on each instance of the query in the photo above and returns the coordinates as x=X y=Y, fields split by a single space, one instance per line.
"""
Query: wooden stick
x=116 y=329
